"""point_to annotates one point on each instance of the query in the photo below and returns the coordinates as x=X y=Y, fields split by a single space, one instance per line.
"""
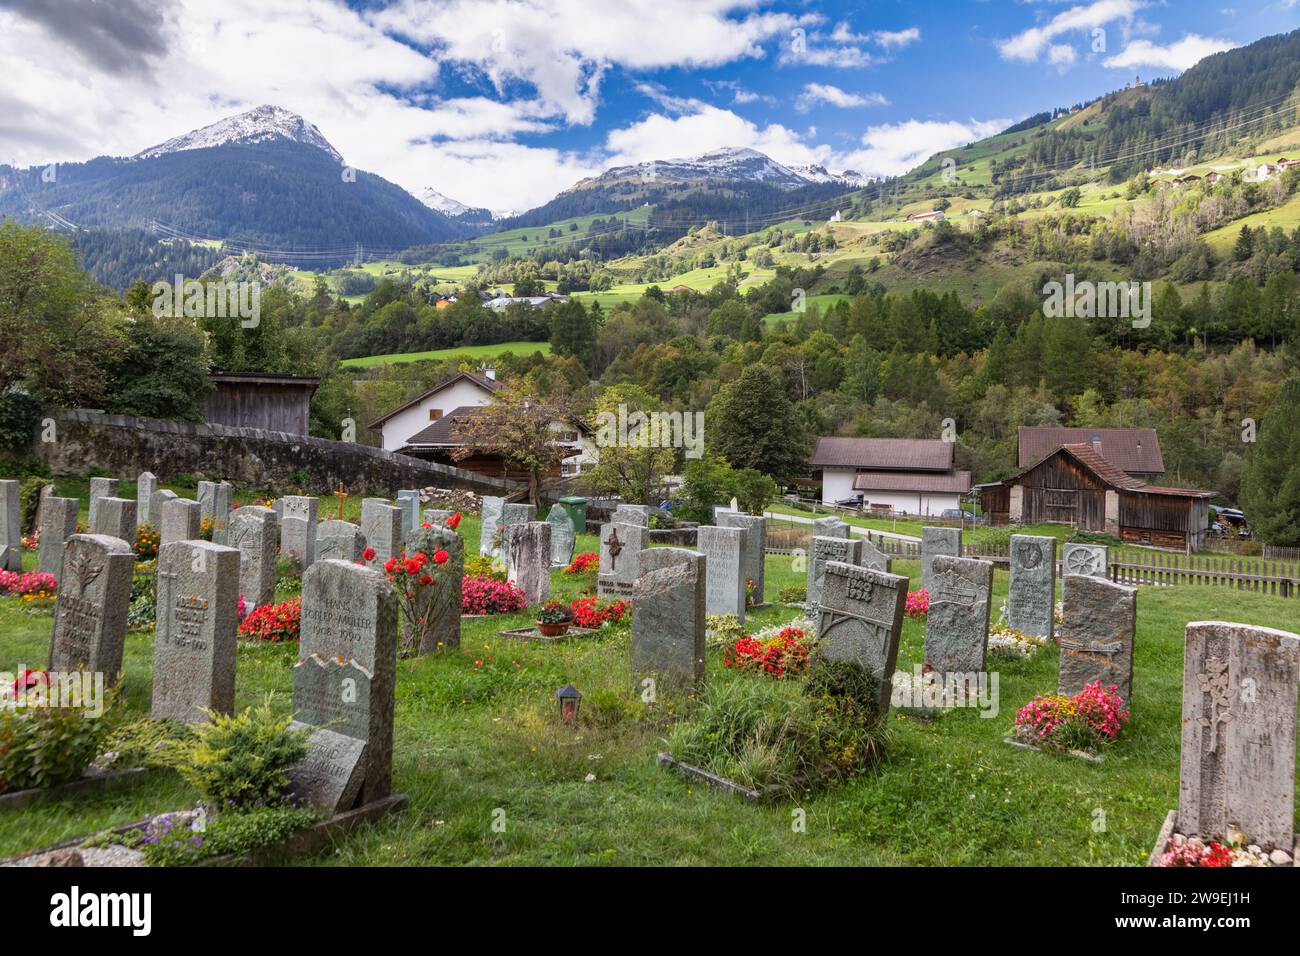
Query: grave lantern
x=568 y=697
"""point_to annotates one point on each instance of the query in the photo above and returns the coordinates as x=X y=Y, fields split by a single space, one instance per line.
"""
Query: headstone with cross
x=620 y=559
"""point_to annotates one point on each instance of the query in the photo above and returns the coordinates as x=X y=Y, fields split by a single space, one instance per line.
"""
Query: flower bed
x=584 y=563
x=489 y=596
x=593 y=613
x=1006 y=640
x=279 y=623
x=28 y=584
x=784 y=653
x=1086 y=722
x=918 y=603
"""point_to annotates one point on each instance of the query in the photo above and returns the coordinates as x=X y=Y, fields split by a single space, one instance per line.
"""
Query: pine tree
x=1270 y=484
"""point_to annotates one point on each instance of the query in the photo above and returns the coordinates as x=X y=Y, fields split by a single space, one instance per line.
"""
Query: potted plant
x=554 y=618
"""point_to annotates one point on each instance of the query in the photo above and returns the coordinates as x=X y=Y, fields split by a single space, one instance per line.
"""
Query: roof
x=491 y=384
x=1135 y=450
x=263 y=378
x=957 y=482
x=1086 y=455
x=884 y=454
x=439 y=433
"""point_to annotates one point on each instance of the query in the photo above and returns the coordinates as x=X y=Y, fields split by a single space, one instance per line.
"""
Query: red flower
x=27 y=679
x=454 y=521
x=390 y=564
x=368 y=554
x=425 y=524
x=425 y=579
x=412 y=566
x=440 y=556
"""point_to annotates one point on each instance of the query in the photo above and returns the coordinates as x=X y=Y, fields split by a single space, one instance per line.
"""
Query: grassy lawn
x=436 y=355
x=475 y=731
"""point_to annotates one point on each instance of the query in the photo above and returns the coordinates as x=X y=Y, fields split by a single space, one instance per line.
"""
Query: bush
x=242 y=760
x=793 y=594
x=481 y=566
x=29 y=501
x=44 y=746
x=1086 y=722
x=19 y=415
x=274 y=622
x=172 y=840
x=592 y=613
x=586 y=563
x=490 y=596
x=783 y=654
x=144 y=602
x=146 y=542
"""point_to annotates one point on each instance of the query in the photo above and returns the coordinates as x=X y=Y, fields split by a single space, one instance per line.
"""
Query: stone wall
x=248 y=458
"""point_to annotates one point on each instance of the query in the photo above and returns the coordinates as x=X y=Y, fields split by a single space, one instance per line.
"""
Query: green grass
x=475 y=732
x=438 y=355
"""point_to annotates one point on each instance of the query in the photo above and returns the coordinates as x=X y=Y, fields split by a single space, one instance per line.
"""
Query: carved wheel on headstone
x=1080 y=561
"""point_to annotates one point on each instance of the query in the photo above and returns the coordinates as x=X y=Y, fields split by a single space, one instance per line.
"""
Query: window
x=435 y=414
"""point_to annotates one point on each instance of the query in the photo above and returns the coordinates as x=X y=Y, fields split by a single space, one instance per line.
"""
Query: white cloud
x=1061 y=54
x=817 y=93
x=892 y=149
x=1030 y=44
x=671 y=137
x=1181 y=55
x=895 y=39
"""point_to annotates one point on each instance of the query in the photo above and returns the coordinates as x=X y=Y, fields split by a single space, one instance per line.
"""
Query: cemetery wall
x=246 y=457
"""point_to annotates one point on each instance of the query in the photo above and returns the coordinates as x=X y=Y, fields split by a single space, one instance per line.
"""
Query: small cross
x=340 y=495
x=615 y=546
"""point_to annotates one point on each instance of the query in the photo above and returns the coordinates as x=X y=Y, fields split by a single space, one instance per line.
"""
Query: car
x=852 y=501
x=958 y=513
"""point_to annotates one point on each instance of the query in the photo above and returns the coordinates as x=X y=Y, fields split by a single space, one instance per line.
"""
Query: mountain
x=454 y=208
x=265 y=180
x=820 y=174
x=256 y=126
x=729 y=163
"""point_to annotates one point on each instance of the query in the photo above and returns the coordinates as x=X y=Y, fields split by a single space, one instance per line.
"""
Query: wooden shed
x=269 y=400
x=1075 y=485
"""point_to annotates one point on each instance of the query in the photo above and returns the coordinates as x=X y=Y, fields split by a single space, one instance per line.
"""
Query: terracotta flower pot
x=552 y=630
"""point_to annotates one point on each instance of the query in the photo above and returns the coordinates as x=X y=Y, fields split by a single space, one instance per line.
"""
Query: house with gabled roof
x=1135 y=451
x=909 y=475
x=462 y=390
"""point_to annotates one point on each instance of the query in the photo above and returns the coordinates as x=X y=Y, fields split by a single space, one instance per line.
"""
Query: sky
x=504 y=103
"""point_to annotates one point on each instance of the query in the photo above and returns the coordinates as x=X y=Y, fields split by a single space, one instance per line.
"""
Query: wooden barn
x=270 y=400
x=1075 y=485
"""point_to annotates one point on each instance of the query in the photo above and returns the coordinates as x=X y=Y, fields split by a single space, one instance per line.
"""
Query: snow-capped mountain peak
x=727 y=163
x=255 y=126
x=444 y=204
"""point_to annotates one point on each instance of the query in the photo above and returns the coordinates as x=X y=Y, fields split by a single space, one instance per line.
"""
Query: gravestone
x=339 y=541
x=755 y=547
x=100 y=488
x=491 y=521
x=195 y=642
x=638 y=515
x=563 y=537
x=206 y=494
x=347 y=672
x=620 y=559
x=1090 y=559
x=58 y=521
x=331 y=775
x=11 y=527
x=935 y=541
x=822 y=551
x=872 y=557
x=1096 y=639
x=115 y=517
x=221 y=503
x=93 y=600
x=724 y=570
x=381 y=524
x=830 y=528
x=145 y=486
x=298 y=517
x=253 y=533
x=444 y=603
x=1031 y=596
x=180 y=521
x=1239 y=733
x=156 y=501
x=513 y=514
x=408 y=503
x=528 y=559
x=957 y=626
x=668 y=615
x=860 y=618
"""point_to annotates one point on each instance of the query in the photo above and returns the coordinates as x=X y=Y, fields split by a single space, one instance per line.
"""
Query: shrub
x=28 y=584
x=146 y=542
x=586 y=563
x=206 y=526
x=144 y=609
x=793 y=594
x=43 y=746
x=417 y=576
x=241 y=760
x=490 y=596
x=481 y=566
x=29 y=501
x=591 y=612
x=19 y=414
x=1086 y=722
x=172 y=840
x=274 y=622
x=554 y=611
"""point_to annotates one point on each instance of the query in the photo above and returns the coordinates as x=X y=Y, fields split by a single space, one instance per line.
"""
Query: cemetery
x=419 y=684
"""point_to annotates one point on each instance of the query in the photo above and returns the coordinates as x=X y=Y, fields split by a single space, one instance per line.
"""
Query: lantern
x=568 y=698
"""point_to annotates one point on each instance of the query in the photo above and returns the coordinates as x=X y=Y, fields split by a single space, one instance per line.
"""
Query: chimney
x=490 y=372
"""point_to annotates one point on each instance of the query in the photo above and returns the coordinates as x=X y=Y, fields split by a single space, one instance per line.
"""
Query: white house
x=910 y=475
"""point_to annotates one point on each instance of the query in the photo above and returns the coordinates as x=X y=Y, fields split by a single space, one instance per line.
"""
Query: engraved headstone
x=755 y=547
x=221 y=501
x=488 y=533
x=1239 y=733
x=528 y=559
x=632 y=514
x=93 y=600
x=443 y=603
x=872 y=557
x=381 y=524
x=180 y=521
x=194 y=645
x=1096 y=639
x=115 y=517
x=1090 y=559
x=723 y=549
x=145 y=486
x=339 y=541
x=253 y=534
x=11 y=530
x=830 y=528
x=58 y=521
x=860 y=618
x=298 y=518
x=159 y=498
x=821 y=552
x=620 y=559
x=330 y=777
x=957 y=626
x=668 y=617
x=935 y=541
x=408 y=503
x=348 y=665
x=100 y=488
x=206 y=493
x=513 y=514
x=563 y=537
x=1031 y=596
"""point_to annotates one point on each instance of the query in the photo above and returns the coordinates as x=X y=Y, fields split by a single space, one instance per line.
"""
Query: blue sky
x=502 y=103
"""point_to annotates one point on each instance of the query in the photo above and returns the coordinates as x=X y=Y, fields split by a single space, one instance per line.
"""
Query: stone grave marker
x=298 y=517
x=381 y=524
x=668 y=618
x=872 y=557
x=513 y=514
x=339 y=541
x=206 y=493
x=724 y=569
x=620 y=559
x=937 y=541
x=860 y=618
x=821 y=552
x=487 y=535
x=333 y=772
x=632 y=514
x=91 y=607
x=180 y=521
x=1097 y=638
x=528 y=559
x=563 y=537
x=11 y=527
x=957 y=627
x=100 y=488
x=1090 y=559
x=1239 y=733
x=831 y=527
x=145 y=486
x=115 y=517
x=445 y=601
x=347 y=672
x=159 y=498
x=195 y=641
x=755 y=547
x=222 y=496
x=1031 y=596
x=58 y=522
x=253 y=533
x=408 y=503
